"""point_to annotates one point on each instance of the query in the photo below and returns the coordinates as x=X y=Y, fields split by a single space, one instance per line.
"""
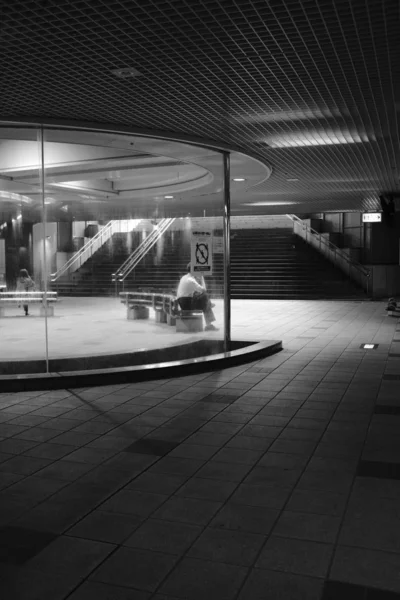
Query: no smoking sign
x=201 y=252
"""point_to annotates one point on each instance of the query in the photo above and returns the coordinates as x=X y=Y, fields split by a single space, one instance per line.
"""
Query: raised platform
x=206 y=356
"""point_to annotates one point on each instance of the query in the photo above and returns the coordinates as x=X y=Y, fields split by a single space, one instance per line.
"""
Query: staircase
x=160 y=269
x=265 y=264
x=276 y=264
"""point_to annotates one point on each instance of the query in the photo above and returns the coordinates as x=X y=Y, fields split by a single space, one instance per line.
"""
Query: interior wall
x=39 y=273
x=353 y=230
x=384 y=245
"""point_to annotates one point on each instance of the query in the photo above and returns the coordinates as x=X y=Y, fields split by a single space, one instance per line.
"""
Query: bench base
x=137 y=312
x=189 y=323
x=171 y=320
x=161 y=316
x=46 y=311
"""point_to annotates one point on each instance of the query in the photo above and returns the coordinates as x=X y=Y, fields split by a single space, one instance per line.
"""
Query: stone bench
x=166 y=310
x=18 y=298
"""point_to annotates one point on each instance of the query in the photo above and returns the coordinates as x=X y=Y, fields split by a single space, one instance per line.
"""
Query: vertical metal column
x=44 y=219
x=227 y=251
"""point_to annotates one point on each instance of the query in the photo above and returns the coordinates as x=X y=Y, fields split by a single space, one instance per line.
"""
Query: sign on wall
x=202 y=252
x=372 y=217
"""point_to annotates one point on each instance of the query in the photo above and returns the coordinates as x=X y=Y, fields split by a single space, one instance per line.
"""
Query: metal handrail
x=107 y=231
x=127 y=267
x=365 y=272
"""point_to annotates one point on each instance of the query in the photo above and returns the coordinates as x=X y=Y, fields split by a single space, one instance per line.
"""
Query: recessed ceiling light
x=239 y=179
x=369 y=346
x=292 y=179
x=126 y=73
x=168 y=196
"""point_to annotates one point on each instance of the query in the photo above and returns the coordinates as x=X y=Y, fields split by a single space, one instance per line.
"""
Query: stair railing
x=140 y=252
x=87 y=250
x=355 y=270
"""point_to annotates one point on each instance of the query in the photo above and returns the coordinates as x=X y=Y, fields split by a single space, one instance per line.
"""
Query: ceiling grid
x=311 y=87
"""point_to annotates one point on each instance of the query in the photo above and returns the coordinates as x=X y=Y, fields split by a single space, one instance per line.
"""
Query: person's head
x=23 y=273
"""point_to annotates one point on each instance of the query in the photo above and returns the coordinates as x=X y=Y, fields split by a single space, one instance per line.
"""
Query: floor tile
x=314 y=527
x=273 y=585
x=261 y=495
x=316 y=501
x=160 y=483
x=198 y=579
x=93 y=590
x=156 y=447
x=366 y=567
x=164 y=536
x=207 y=489
x=132 y=502
x=223 y=471
x=227 y=546
x=106 y=527
x=187 y=510
x=296 y=556
x=71 y=555
x=254 y=519
x=135 y=568
x=17 y=545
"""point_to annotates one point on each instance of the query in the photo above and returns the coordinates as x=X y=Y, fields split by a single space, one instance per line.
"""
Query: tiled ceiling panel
x=309 y=86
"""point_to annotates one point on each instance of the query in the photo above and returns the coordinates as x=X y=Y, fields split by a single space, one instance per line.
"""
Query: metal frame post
x=227 y=252
x=42 y=180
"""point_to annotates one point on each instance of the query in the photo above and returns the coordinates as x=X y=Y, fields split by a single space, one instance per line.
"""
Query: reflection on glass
x=125 y=217
x=21 y=296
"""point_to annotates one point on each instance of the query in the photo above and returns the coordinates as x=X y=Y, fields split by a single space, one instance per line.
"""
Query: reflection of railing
x=353 y=269
x=138 y=254
x=94 y=244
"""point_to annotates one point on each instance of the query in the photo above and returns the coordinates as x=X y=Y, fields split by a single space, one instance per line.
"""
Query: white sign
x=372 y=217
x=202 y=252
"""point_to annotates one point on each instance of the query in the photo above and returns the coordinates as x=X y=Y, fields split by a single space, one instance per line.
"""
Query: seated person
x=192 y=295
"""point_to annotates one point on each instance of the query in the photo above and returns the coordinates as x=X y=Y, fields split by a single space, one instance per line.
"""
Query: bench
x=19 y=298
x=166 y=310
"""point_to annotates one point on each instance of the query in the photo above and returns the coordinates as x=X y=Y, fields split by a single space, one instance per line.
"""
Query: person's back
x=25 y=284
x=188 y=286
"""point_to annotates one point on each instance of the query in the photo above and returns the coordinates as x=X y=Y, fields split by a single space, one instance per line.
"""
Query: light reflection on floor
x=95 y=326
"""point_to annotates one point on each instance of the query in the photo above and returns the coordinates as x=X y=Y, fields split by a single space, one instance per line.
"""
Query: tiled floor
x=276 y=479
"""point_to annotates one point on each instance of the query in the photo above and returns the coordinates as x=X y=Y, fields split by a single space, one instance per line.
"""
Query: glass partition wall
x=109 y=226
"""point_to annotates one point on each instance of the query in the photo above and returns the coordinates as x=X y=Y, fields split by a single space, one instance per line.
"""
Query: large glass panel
x=22 y=317
x=127 y=217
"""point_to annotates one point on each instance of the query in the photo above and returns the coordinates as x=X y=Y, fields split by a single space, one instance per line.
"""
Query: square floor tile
x=188 y=510
x=106 y=527
x=73 y=556
x=261 y=495
x=135 y=568
x=314 y=527
x=152 y=446
x=207 y=489
x=164 y=536
x=17 y=544
x=316 y=501
x=160 y=483
x=227 y=546
x=254 y=519
x=370 y=568
x=177 y=466
x=296 y=556
x=199 y=579
x=273 y=585
x=93 y=590
x=223 y=471
x=132 y=502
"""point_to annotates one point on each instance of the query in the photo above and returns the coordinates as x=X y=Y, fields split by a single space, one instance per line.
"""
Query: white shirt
x=188 y=285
